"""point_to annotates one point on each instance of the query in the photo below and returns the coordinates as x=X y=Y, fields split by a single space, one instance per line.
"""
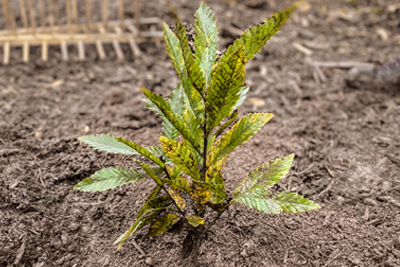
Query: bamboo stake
x=116 y=45
x=42 y=15
x=100 y=50
x=99 y=44
x=6 y=53
x=64 y=50
x=121 y=14
x=6 y=13
x=81 y=50
x=23 y=13
x=134 y=47
x=68 y=13
x=104 y=12
x=136 y=13
x=51 y=18
x=57 y=13
x=74 y=12
x=32 y=16
x=45 y=51
x=88 y=9
x=25 y=52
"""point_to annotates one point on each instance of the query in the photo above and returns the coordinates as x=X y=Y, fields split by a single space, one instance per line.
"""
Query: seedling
x=201 y=128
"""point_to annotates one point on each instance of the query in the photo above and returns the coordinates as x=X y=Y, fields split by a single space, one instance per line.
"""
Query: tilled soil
x=345 y=134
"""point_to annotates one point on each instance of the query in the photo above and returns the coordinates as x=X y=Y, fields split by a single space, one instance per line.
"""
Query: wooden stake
x=64 y=50
x=88 y=9
x=81 y=50
x=136 y=13
x=104 y=12
x=45 y=51
x=74 y=12
x=23 y=13
x=32 y=16
x=121 y=13
x=116 y=45
x=25 y=52
x=51 y=18
x=68 y=13
x=57 y=13
x=100 y=50
x=42 y=15
x=6 y=53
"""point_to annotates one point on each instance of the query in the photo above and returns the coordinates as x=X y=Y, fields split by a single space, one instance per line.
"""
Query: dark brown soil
x=346 y=137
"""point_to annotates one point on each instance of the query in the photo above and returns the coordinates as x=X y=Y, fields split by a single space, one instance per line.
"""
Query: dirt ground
x=345 y=134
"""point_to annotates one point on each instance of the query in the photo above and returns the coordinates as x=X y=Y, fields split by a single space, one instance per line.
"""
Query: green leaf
x=163 y=224
x=206 y=40
x=215 y=181
x=242 y=96
x=180 y=183
x=141 y=222
x=173 y=47
x=200 y=195
x=287 y=202
x=192 y=65
x=177 y=102
x=264 y=176
x=112 y=177
x=149 y=211
x=150 y=172
x=175 y=119
x=142 y=151
x=240 y=133
x=224 y=93
x=108 y=143
x=179 y=200
x=182 y=156
x=257 y=36
x=194 y=220
x=221 y=129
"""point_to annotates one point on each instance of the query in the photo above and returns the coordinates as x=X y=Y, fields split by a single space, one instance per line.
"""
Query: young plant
x=201 y=128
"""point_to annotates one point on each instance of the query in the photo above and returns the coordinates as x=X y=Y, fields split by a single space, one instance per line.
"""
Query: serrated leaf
x=180 y=183
x=215 y=180
x=242 y=96
x=150 y=172
x=206 y=40
x=174 y=51
x=192 y=65
x=264 y=176
x=175 y=119
x=112 y=177
x=178 y=103
x=162 y=224
x=240 y=133
x=182 y=156
x=108 y=143
x=257 y=36
x=227 y=81
x=180 y=201
x=200 y=195
x=141 y=222
x=223 y=127
x=142 y=151
x=194 y=220
x=287 y=202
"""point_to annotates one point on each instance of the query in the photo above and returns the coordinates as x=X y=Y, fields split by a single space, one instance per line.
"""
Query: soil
x=345 y=134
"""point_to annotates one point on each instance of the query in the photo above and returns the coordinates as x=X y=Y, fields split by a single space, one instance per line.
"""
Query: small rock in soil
x=249 y=248
x=149 y=261
x=371 y=202
x=115 y=96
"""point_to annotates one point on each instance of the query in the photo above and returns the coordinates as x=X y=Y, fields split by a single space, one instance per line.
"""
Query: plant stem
x=205 y=145
x=173 y=200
